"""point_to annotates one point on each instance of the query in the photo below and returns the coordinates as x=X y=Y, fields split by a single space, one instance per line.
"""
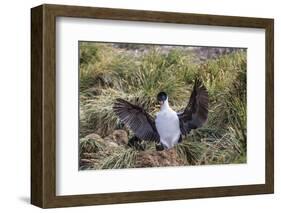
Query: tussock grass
x=121 y=158
x=98 y=115
x=138 y=72
x=88 y=145
x=191 y=152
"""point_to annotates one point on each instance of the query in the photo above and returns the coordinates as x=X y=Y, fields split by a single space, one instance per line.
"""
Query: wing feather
x=196 y=112
x=137 y=119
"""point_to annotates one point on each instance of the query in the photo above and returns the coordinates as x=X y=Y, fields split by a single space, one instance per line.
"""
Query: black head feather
x=162 y=96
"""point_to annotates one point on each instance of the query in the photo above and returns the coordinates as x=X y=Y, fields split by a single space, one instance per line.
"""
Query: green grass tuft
x=120 y=159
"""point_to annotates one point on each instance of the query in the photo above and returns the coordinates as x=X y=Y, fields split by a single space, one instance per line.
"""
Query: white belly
x=167 y=125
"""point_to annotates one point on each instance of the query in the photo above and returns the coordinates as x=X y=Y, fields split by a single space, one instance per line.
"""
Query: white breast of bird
x=167 y=124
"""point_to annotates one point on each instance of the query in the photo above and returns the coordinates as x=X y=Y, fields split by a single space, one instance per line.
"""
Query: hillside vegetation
x=137 y=73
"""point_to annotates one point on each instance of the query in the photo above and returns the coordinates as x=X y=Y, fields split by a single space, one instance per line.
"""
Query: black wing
x=196 y=112
x=139 y=121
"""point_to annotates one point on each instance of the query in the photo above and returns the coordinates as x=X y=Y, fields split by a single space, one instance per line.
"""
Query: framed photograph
x=136 y=106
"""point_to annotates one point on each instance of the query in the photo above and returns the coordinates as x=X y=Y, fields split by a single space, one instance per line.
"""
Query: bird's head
x=162 y=97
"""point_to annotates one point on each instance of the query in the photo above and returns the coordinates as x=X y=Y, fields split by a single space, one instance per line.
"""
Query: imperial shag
x=169 y=126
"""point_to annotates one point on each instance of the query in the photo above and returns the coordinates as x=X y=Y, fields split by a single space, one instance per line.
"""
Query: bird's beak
x=161 y=103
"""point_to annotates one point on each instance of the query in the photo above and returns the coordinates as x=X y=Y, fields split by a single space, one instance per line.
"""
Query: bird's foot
x=159 y=146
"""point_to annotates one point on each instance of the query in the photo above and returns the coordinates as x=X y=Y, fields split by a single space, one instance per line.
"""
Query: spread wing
x=139 y=121
x=196 y=112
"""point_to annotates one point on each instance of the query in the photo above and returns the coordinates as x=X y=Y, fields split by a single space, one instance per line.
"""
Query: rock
x=112 y=144
x=95 y=137
x=158 y=159
x=109 y=142
x=86 y=155
x=120 y=137
x=108 y=139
